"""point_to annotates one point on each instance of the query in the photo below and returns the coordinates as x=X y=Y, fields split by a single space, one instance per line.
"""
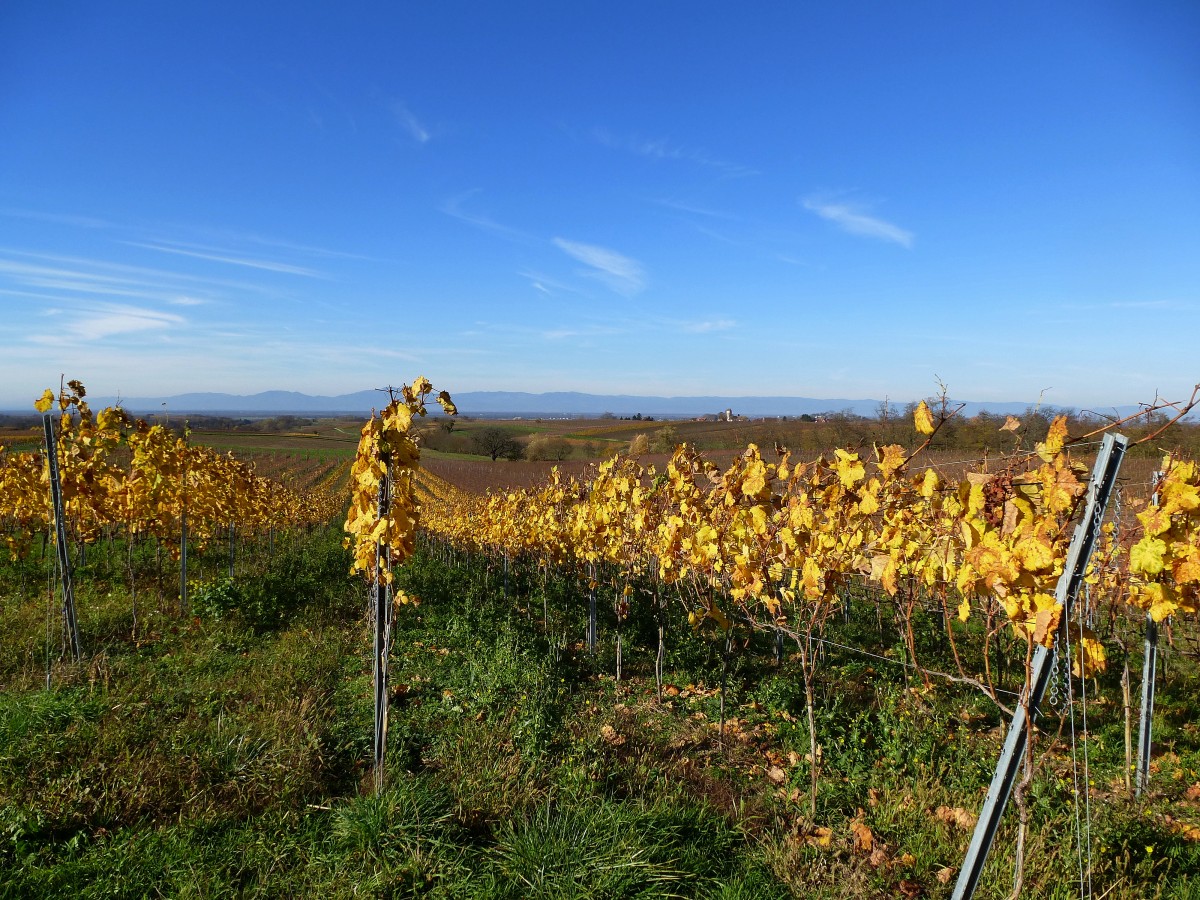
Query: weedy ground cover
x=225 y=754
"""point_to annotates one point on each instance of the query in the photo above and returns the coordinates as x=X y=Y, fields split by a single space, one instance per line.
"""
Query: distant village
x=727 y=416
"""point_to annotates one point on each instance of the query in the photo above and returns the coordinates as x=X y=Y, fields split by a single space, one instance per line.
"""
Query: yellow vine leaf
x=1090 y=656
x=1047 y=614
x=890 y=458
x=1159 y=600
x=1176 y=495
x=1147 y=555
x=46 y=401
x=923 y=418
x=929 y=484
x=1055 y=439
x=849 y=468
x=1186 y=569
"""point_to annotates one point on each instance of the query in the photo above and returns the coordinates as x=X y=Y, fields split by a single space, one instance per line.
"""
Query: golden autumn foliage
x=388 y=449
x=118 y=472
x=1165 y=562
x=780 y=536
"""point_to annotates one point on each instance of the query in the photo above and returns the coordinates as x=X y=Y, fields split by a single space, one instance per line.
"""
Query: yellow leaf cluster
x=1165 y=561
x=116 y=472
x=780 y=535
x=384 y=515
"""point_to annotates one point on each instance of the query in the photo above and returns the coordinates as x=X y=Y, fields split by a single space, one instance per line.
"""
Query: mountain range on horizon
x=510 y=404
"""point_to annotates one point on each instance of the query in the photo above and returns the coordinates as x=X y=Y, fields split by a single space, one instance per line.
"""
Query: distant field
x=592 y=440
x=20 y=438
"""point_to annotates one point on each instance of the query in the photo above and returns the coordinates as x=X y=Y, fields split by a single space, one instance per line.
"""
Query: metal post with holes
x=60 y=532
x=183 y=563
x=381 y=615
x=1149 y=668
x=183 y=531
x=591 y=626
x=1104 y=475
x=1149 y=665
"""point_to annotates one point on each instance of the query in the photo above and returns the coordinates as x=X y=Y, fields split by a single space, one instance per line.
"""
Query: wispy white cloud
x=105 y=320
x=1155 y=305
x=621 y=273
x=228 y=236
x=1149 y=304
x=416 y=130
x=693 y=209
x=526 y=333
x=663 y=149
x=853 y=220
x=542 y=282
x=216 y=255
x=455 y=208
x=98 y=276
x=74 y=220
x=709 y=325
x=83 y=280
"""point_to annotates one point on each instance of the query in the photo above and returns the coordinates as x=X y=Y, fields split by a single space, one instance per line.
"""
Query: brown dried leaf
x=611 y=736
x=1188 y=831
x=863 y=838
x=956 y=815
x=820 y=837
x=1011 y=514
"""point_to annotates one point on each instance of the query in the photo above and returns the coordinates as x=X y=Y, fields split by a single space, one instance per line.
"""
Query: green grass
x=228 y=754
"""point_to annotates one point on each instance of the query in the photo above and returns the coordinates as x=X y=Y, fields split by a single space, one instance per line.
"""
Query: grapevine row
x=118 y=472
x=784 y=539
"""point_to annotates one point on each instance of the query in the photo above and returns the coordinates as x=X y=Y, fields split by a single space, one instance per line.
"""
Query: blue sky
x=825 y=200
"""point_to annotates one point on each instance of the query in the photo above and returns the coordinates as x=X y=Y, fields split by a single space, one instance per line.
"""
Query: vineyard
x=768 y=676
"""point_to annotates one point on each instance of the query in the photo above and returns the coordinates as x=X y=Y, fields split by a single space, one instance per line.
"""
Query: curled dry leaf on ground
x=957 y=816
x=820 y=837
x=611 y=736
x=864 y=839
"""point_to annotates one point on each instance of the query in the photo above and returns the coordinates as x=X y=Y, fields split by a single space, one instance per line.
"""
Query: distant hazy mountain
x=515 y=403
